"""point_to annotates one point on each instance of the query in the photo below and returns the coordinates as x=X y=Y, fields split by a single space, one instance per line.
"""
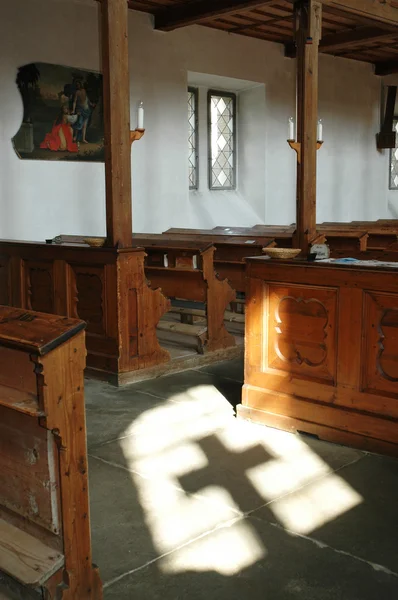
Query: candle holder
x=296 y=146
x=136 y=134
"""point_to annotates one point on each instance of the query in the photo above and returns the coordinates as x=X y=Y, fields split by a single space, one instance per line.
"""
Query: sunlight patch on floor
x=318 y=503
x=191 y=415
x=195 y=466
x=227 y=551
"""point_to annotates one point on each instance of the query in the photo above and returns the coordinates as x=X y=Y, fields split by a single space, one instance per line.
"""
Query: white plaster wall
x=40 y=199
x=252 y=149
x=246 y=204
x=352 y=174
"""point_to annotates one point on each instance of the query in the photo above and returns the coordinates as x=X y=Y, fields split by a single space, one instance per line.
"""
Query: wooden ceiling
x=365 y=30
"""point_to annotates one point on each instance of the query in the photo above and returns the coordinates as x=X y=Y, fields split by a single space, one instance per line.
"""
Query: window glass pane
x=222 y=140
x=192 y=139
x=394 y=162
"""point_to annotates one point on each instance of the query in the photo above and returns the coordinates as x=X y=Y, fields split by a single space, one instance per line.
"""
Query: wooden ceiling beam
x=386 y=68
x=191 y=13
x=386 y=12
x=348 y=39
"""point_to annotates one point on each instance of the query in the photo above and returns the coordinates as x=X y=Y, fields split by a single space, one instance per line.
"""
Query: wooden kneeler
x=44 y=502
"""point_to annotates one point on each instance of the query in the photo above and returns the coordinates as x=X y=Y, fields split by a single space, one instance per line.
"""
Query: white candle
x=320 y=131
x=291 y=129
x=140 y=124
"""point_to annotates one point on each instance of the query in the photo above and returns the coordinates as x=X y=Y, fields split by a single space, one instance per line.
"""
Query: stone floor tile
x=231 y=369
x=254 y=560
x=353 y=510
x=110 y=411
x=180 y=386
x=134 y=520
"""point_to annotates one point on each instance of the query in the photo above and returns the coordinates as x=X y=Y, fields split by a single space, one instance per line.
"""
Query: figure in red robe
x=61 y=136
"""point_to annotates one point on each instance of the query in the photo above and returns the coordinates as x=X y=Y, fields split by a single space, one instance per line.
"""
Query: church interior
x=198 y=299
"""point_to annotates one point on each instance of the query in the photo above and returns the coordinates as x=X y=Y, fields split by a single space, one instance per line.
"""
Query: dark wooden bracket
x=387 y=137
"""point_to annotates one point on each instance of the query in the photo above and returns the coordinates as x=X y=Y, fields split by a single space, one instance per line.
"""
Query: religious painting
x=62 y=113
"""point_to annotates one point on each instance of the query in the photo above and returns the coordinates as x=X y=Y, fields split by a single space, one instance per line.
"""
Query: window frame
x=233 y=96
x=395 y=123
x=195 y=91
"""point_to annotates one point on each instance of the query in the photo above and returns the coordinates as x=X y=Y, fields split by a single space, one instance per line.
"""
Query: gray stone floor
x=189 y=503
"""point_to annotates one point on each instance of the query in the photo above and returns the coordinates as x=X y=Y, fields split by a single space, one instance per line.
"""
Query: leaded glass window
x=394 y=162
x=193 y=138
x=222 y=140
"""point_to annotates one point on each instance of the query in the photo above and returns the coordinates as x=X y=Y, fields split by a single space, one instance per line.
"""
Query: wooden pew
x=379 y=237
x=230 y=253
x=349 y=240
x=283 y=234
x=185 y=269
x=105 y=287
x=281 y=237
x=44 y=502
x=260 y=228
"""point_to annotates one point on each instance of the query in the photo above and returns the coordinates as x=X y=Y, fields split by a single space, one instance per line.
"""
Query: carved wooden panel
x=39 y=286
x=88 y=297
x=4 y=274
x=302 y=331
x=380 y=371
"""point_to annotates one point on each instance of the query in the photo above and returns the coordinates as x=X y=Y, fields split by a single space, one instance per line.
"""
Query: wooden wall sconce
x=296 y=146
x=136 y=134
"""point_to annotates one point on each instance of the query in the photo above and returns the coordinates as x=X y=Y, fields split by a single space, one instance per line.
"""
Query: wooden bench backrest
x=29 y=475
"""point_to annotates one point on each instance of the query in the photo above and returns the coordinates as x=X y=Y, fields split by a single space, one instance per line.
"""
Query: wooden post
x=308 y=19
x=116 y=122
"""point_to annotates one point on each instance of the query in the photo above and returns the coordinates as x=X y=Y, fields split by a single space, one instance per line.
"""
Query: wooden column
x=308 y=21
x=116 y=122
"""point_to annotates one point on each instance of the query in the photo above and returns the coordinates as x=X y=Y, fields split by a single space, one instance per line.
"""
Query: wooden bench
x=44 y=503
x=185 y=269
x=379 y=237
x=105 y=287
x=199 y=314
x=281 y=236
x=345 y=240
x=230 y=251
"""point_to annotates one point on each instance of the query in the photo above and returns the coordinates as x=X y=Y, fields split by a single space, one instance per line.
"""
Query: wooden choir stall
x=322 y=351
x=44 y=503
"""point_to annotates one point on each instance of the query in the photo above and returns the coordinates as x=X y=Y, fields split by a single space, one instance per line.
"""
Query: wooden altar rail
x=321 y=352
x=44 y=502
x=184 y=269
x=105 y=287
x=230 y=251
